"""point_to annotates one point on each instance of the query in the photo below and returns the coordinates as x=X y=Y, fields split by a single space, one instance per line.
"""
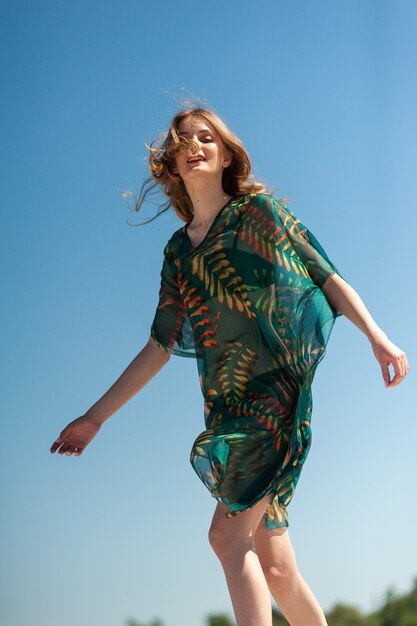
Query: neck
x=207 y=202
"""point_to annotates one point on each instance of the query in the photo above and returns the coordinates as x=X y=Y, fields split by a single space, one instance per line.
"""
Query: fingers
x=406 y=364
x=385 y=374
x=401 y=365
x=395 y=381
x=66 y=447
x=401 y=368
x=69 y=450
x=56 y=444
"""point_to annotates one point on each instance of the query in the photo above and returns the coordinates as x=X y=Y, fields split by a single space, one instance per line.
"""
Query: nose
x=189 y=149
x=197 y=141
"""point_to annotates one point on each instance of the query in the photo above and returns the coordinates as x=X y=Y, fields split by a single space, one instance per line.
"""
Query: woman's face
x=211 y=158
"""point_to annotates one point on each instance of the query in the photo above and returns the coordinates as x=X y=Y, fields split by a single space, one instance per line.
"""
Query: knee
x=218 y=540
x=225 y=543
x=282 y=576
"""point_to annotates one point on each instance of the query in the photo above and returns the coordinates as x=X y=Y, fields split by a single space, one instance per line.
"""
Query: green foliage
x=278 y=619
x=219 y=620
x=398 y=610
x=344 y=615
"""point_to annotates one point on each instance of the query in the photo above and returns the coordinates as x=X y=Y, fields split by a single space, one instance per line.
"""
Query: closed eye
x=202 y=138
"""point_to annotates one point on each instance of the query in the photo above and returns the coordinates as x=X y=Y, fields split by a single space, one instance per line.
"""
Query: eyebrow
x=204 y=130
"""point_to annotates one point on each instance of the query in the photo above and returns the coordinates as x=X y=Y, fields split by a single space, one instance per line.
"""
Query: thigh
x=243 y=525
x=274 y=549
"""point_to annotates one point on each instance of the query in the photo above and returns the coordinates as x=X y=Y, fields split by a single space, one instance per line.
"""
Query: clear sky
x=324 y=97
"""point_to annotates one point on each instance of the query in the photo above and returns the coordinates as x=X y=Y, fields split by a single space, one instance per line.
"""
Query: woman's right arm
x=78 y=434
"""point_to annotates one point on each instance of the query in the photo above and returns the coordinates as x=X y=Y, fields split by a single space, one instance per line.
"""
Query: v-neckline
x=190 y=244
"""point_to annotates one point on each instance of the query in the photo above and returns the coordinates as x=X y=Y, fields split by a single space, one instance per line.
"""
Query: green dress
x=247 y=304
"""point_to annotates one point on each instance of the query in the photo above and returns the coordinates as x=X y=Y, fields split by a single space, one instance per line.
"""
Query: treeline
x=396 y=610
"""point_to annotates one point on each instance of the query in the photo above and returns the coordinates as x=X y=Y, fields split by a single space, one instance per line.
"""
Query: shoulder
x=172 y=247
x=268 y=201
x=269 y=207
x=261 y=198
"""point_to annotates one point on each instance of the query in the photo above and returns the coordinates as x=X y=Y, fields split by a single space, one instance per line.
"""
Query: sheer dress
x=247 y=304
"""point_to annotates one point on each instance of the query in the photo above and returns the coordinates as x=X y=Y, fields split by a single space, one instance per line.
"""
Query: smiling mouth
x=196 y=160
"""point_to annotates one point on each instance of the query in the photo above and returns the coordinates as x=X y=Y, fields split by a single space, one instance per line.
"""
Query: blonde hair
x=236 y=180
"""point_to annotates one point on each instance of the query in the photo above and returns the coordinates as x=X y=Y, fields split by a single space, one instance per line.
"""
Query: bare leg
x=290 y=591
x=233 y=541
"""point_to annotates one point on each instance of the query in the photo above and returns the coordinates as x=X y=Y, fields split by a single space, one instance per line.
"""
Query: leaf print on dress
x=247 y=303
x=220 y=279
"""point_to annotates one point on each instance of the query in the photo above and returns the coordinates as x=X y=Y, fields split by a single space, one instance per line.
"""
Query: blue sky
x=324 y=96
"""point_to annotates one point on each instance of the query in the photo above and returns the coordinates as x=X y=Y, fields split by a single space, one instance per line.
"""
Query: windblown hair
x=237 y=178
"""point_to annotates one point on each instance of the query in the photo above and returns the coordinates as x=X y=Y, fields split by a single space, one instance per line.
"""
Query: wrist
x=375 y=334
x=90 y=415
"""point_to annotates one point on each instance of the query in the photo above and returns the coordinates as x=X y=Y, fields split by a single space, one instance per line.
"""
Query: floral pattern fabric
x=247 y=304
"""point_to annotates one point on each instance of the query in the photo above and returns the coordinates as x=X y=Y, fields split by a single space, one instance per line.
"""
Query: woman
x=249 y=292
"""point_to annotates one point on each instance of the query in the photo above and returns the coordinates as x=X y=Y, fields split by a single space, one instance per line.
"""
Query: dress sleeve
x=171 y=328
x=302 y=241
x=296 y=318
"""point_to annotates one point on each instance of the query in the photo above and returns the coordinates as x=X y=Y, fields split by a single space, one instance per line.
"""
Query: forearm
x=348 y=302
x=137 y=374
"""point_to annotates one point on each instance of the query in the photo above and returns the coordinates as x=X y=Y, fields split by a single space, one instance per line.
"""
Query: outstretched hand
x=387 y=353
x=76 y=436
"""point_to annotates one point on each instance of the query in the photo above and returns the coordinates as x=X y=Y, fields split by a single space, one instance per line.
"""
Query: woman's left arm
x=347 y=301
